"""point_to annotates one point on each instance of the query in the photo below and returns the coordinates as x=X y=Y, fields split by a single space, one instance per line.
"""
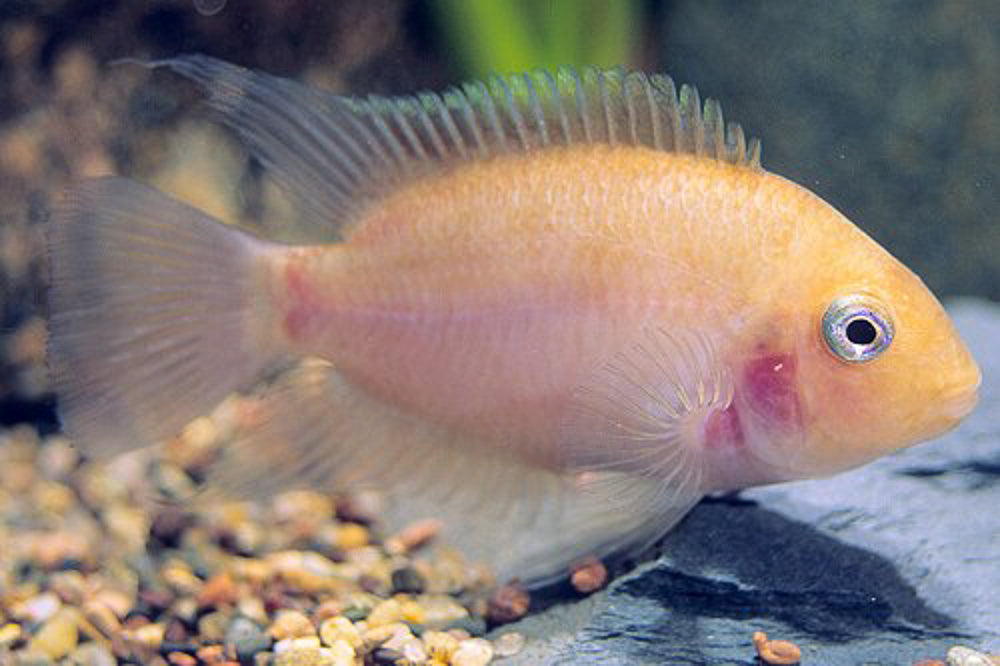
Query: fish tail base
x=154 y=314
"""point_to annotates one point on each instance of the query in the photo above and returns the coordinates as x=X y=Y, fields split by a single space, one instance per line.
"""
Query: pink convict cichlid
x=563 y=306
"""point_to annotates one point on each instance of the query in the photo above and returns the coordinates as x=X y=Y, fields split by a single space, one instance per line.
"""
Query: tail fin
x=156 y=314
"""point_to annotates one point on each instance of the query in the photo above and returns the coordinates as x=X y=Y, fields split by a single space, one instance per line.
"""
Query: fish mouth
x=958 y=402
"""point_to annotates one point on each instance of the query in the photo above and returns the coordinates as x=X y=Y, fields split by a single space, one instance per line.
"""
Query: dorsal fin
x=335 y=153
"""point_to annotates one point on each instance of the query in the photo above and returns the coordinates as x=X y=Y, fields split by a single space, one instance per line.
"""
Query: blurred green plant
x=506 y=36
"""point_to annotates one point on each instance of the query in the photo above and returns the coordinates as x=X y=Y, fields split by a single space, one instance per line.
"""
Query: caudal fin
x=156 y=314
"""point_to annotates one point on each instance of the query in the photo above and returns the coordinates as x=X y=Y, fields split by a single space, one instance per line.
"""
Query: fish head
x=876 y=362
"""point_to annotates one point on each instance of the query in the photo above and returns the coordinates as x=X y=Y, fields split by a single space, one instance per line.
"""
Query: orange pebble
x=589 y=575
x=776 y=653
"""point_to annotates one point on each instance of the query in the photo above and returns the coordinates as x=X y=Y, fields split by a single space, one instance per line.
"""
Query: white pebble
x=964 y=656
x=508 y=644
x=38 y=609
x=473 y=652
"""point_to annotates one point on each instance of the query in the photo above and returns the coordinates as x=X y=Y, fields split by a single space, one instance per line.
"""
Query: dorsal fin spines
x=525 y=112
x=668 y=110
x=335 y=154
x=537 y=111
x=433 y=130
x=715 y=128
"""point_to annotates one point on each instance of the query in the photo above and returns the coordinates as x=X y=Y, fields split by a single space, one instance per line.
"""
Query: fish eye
x=857 y=328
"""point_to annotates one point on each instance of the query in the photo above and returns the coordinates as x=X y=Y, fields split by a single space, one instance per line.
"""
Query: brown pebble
x=220 y=590
x=181 y=659
x=135 y=621
x=168 y=525
x=775 y=653
x=326 y=610
x=158 y=599
x=211 y=654
x=508 y=603
x=589 y=575
x=175 y=632
x=929 y=662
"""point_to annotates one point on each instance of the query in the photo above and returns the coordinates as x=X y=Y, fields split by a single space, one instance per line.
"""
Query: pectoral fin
x=633 y=437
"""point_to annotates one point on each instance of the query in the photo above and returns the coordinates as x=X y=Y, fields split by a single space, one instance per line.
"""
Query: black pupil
x=861 y=332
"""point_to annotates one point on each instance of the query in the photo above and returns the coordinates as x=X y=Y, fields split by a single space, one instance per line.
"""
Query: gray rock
x=887 y=564
x=247 y=637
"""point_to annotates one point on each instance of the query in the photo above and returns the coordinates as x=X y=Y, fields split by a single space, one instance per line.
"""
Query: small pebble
x=372 y=638
x=413 y=536
x=343 y=653
x=305 y=656
x=92 y=654
x=181 y=659
x=180 y=578
x=383 y=656
x=57 y=637
x=211 y=654
x=246 y=637
x=352 y=536
x=589 y=575
x=440 y=645
x=119 y=602
x=291 y=624
x=775 y=653
x=69 y=586
x=509 y=644
x=212 y=627
x=508 y=603
x=102 y=617
x=440 y=610
x=296 y=644
x=386 y=612
x=339 y=628
x=218 y=591
x=9 y=633
x=408 y=581
x=960 y=655
x=408 y=645
x=253 y=609
x=473 y=652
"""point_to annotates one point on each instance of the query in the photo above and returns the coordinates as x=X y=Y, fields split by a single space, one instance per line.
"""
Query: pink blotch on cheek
x=769 y=387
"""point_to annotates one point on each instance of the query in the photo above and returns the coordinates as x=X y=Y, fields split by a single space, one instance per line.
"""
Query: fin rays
x=334 y=153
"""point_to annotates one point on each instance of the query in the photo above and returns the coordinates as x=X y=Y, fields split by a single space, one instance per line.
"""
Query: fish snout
x=958 y=400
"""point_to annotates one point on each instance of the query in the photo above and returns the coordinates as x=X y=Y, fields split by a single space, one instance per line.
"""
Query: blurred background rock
x=886 y=109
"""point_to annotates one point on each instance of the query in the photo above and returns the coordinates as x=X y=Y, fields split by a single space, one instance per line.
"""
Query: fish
x=558 y=307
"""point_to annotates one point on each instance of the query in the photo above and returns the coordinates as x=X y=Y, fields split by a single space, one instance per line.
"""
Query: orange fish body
x=592 y=319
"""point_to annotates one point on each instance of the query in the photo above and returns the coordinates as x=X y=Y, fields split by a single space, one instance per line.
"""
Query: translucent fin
x=312 y=428
x=334 y=152
x=617 y=495
x=152 y=314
